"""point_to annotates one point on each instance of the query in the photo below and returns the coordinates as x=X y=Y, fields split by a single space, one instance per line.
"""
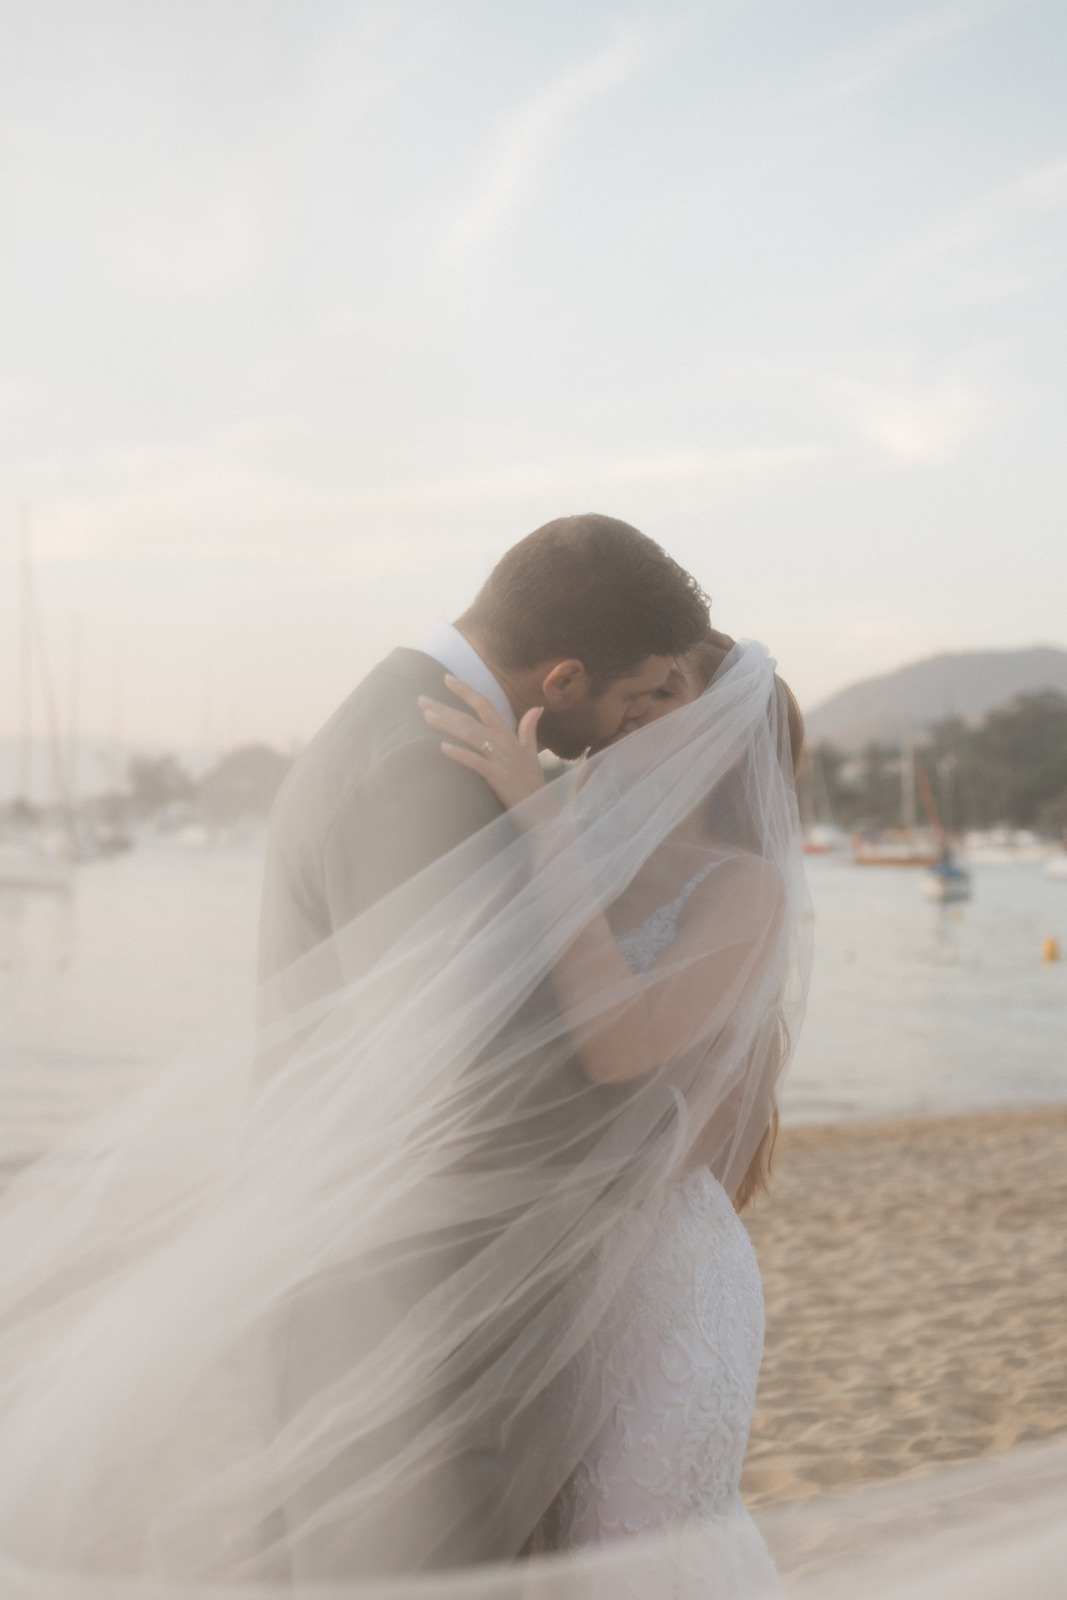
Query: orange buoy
x=1050 y=948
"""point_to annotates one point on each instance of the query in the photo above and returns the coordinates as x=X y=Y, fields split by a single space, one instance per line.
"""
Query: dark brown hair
x=589 y=588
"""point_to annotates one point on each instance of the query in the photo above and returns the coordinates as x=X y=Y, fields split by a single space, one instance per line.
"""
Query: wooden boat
x=945 y=879
x=895 y=847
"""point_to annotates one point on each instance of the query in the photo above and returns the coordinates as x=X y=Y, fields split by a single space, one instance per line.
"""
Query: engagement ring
x=486 y=747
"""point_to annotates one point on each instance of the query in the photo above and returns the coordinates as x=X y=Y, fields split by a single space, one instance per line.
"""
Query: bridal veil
x=316 y=1309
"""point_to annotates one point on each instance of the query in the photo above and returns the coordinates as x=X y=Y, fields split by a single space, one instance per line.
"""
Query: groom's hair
x=589 y=588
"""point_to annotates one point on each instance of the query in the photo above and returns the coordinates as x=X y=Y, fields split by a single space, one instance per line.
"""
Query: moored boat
x=895 y=847
x=947 y=881
x=944 y=879
x=1004 y=847
x=824 y=839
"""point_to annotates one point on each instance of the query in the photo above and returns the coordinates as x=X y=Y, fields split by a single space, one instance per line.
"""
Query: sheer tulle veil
x=252 y=1319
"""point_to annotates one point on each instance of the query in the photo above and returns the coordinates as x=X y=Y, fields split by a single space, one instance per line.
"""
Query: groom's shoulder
x=378 y=718
x=385 y=697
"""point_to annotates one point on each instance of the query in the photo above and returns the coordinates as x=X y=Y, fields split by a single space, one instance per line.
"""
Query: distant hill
x=965 y=685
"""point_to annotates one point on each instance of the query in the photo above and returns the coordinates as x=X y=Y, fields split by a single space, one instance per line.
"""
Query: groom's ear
x=565 y=684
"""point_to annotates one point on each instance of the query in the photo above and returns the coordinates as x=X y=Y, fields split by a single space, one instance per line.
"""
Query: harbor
x=915 y=1008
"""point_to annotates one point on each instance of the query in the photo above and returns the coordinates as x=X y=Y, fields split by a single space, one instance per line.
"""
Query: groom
x=584 y=617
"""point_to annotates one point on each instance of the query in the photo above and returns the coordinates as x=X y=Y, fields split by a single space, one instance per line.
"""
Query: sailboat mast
x=26 y=665
x=35 y=645
x=933 y=816
x=73 y=686
x=907 y=782
x=118 y=686
x=805 y=791
x=823 y=805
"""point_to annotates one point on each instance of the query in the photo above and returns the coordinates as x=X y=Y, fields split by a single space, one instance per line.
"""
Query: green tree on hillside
x=1012 y=769
x=243 y=784
x=863 y=793
x=1015 y=763
x=157 y=781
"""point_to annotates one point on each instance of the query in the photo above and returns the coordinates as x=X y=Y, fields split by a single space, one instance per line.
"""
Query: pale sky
x=309 y=309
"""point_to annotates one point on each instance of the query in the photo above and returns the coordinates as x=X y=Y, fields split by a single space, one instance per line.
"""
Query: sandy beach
x=915 y=1275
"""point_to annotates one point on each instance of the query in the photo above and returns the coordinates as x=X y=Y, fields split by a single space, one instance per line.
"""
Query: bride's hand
x=507 y=761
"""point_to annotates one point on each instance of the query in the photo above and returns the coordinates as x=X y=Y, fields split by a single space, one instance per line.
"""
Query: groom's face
x=573 y=722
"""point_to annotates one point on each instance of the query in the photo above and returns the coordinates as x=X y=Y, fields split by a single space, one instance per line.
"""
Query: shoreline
x=915 y=1279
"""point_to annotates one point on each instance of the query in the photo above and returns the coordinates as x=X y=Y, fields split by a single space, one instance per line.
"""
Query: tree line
x=241 y=784
x=1011 y=769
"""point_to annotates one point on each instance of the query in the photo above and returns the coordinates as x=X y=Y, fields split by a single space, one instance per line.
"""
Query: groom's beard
x=561 y=743
x=604 y=744
x=569 y=735
x=628 y=727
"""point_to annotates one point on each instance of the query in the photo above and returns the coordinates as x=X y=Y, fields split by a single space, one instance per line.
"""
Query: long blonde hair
x=707 y=658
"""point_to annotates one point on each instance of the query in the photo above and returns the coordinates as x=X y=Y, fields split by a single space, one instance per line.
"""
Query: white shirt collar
x=459 y=657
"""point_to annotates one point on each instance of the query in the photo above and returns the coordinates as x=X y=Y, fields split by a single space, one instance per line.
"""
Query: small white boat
x=1004 y=847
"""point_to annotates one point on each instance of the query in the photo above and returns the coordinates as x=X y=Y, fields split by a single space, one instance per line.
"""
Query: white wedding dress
x=672 y=1448
x=675 y=1439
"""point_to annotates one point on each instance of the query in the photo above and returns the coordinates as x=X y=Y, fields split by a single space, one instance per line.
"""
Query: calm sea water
x=914 y=1007
x=917 y=1007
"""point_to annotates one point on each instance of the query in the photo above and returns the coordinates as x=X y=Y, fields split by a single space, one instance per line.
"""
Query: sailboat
x=946 y=881
x=906 y=846
x=822 y=836
x=29 y=858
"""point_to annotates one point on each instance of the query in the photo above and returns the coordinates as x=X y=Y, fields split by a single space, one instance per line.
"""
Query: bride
x=671 y=1448
x=452 y=1238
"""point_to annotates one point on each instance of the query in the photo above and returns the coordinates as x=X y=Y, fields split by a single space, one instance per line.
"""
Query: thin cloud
x=1041 y=192
x=201 y=502
x=915 y=426
x=530 y=133
x=880 y=57
x=200 y=236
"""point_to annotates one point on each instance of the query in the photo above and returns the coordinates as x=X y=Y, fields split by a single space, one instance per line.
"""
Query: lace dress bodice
x=641 y=947
x=677 y=1426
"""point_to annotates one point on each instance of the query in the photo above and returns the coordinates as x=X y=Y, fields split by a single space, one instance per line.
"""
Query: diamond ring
x=486 y=747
